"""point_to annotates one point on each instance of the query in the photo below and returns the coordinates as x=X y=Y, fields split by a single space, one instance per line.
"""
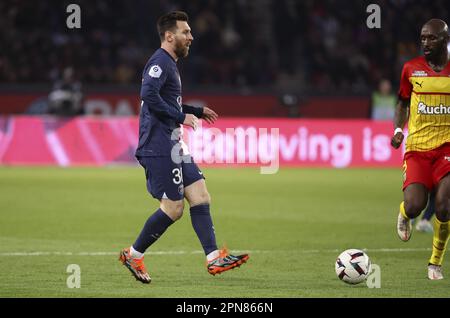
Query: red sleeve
x=405 y=85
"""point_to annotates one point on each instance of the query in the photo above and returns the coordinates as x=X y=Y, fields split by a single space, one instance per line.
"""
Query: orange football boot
x=225 y=262
x=135 y=265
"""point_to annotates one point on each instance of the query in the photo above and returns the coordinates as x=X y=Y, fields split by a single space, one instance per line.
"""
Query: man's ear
x=169 y=36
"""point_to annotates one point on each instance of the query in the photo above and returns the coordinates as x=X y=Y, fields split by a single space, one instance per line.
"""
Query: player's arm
x=151 y=86
x=400 y=119
x=201 y=112
x=401 y=109
x=197 y=111
x=154 y=79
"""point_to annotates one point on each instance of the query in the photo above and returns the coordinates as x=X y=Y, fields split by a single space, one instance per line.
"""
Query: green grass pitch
x=293 y=223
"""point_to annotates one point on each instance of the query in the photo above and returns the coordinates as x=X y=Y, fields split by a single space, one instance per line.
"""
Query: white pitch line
x=381 y=250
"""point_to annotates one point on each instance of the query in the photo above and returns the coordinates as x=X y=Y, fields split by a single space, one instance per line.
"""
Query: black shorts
x=166 y=179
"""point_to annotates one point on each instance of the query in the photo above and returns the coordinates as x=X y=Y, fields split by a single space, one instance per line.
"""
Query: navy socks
x=158 y=223
x=203 y=226
x=155 y=226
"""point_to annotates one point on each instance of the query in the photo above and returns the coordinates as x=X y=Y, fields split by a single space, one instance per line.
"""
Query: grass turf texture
x=294 y=224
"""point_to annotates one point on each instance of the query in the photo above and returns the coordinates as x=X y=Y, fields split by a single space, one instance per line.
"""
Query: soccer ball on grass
x=352 y=266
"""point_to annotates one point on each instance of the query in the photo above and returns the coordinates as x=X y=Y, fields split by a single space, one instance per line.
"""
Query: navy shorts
x=166 y=179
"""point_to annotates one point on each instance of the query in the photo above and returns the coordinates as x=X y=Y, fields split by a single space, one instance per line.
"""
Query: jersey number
x=178 y=175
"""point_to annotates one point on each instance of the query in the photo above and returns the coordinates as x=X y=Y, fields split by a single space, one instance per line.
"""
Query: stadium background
x=308 y=68
x=307 y=48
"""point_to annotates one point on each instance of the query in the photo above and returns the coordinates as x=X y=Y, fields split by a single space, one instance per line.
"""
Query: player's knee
x=205 y=198
x=174 y=209
x=441 y=209
x=202 y=197
x=414 y=207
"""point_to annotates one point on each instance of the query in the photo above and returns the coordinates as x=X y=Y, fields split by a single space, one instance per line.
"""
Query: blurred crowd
x=322 y=46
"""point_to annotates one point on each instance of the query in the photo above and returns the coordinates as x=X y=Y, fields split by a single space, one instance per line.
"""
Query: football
x=352 y=266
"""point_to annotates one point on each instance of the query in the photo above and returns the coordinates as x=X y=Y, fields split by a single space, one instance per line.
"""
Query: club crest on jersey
x=155 y=71
x=424 y=109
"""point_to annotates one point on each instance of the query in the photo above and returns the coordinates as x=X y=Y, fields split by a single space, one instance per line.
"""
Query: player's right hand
x=397 y=140
x=191 y=121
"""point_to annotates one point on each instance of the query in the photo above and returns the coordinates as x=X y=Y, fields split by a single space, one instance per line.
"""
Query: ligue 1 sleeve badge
x=155 y=71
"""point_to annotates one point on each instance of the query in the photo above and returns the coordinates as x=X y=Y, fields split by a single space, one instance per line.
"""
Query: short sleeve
x=405 y=89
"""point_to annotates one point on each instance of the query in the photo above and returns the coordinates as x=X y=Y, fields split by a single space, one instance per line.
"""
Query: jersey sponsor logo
x=419 y=73
x=447 y=158
x=419 y=84
x=424 y=109
x=155 y=71
x=179 y=100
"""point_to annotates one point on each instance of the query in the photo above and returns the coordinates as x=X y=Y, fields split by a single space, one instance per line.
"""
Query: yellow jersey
x=429 y=110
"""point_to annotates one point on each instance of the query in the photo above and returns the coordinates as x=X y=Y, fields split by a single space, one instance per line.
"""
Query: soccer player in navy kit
x=170 y=171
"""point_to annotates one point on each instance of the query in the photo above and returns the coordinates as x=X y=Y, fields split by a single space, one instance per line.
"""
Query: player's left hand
x=209 y=115
x=397 y=140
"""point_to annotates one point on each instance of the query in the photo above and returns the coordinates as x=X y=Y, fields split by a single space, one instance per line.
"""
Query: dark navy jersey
x=161 y=111
x=161 y=106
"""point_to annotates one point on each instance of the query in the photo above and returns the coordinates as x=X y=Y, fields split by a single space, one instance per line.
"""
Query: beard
x=181 y=50
x=437 y=51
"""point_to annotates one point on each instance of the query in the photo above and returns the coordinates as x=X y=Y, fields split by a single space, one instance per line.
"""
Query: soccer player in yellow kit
x=425 y=89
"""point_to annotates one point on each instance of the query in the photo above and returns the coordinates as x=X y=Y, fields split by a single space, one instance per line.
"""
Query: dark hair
x=168 y=22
